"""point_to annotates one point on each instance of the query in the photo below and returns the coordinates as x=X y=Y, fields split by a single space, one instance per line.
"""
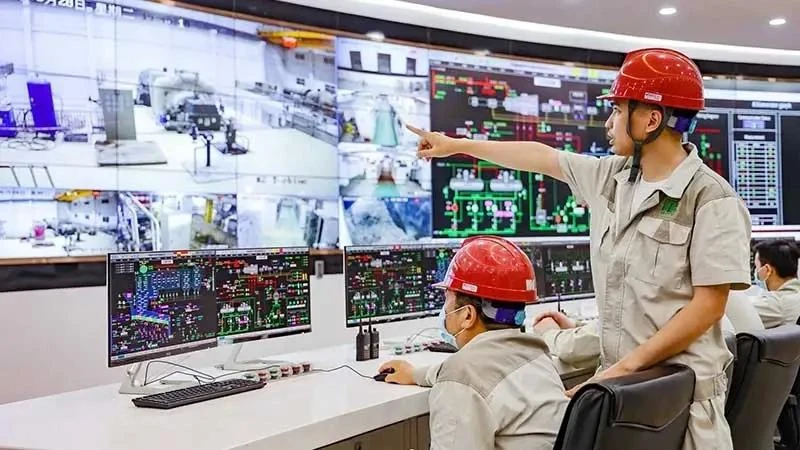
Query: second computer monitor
x=390 y=283
x=262 y=292
x=563 y=269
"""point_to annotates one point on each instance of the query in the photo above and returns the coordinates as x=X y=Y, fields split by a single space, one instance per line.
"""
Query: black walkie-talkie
x=375 y=341
x=362 y=344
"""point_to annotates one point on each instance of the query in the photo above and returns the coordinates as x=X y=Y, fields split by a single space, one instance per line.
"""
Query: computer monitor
x=563 y=269
x=167 y=303
x=387 y=283
x=261 y=293
x=435 y=262
x=160 y=304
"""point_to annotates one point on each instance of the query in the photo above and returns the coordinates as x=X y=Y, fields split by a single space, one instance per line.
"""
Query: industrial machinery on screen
x=183 y=129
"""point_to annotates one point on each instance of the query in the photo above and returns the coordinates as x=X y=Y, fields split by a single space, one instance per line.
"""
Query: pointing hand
x=433 y=145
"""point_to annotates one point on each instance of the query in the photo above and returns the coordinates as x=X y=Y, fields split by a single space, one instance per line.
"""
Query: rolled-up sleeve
x=460 y=418
x=720 y=247
x=586 y=174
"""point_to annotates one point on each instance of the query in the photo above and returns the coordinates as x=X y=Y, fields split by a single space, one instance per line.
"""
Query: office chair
x=730 y=342
x=645 y=410
x=789 y=419
x=762 y=378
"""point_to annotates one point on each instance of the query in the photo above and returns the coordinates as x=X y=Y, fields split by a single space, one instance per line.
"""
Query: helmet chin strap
x=638 y=144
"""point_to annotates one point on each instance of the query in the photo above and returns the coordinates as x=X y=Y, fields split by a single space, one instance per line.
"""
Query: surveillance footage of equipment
x=148 y=102
x=382 y=88
x=273 y=221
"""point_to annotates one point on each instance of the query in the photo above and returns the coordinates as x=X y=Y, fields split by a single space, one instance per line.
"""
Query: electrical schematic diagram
x=261 y=291
x=436 y=261
x=568 y=271
x=165 y=303
x=492 y=102
x=384 y=283
x=711 y=138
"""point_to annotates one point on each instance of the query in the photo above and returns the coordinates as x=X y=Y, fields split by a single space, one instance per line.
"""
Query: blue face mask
x=759 y=282
x=446 y=335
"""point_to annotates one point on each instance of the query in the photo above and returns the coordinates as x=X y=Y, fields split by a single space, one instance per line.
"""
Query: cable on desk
x=245 y=371
x=343 y=367
x=421 y=332
x=197 y=374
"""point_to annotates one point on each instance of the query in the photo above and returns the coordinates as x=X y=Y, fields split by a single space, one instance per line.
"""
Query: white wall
x=56 y=340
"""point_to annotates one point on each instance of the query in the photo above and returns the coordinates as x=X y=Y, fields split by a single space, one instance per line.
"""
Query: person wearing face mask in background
x=501 y=390
x=776 y=274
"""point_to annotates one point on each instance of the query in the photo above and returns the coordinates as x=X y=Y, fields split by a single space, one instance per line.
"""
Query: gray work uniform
x=743 y=313
x=692 y=231
x=501 y=390
x=779 y=307
x=582 y=343
x=574 y=345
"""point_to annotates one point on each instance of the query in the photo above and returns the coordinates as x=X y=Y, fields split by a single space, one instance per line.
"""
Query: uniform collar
x=677 y=182
x=792 y=285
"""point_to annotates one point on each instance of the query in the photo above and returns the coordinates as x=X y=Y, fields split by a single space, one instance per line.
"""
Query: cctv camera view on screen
x=154 y=128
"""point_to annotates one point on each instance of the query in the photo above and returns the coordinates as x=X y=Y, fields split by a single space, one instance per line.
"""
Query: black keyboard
x=195 y=394
x=442 y=347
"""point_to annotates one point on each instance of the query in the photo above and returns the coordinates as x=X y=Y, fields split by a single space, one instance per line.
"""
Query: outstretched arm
x=527 y=156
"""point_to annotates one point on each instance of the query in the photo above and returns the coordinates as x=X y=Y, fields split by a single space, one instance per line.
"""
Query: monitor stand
x=133 y=385
x=233 y=363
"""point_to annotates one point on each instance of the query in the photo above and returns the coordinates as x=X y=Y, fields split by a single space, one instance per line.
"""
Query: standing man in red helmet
x=501 y=389
x=669 y=237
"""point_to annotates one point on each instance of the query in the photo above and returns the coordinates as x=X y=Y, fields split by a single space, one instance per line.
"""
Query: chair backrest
x=646 y=410
x=762 y=378
x=730 y=342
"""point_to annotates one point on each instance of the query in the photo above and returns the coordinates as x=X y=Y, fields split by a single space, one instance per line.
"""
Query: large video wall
x=139 y=126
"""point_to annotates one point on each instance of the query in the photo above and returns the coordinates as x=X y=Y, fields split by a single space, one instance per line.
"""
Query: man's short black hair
x=781 y=255
x=476 y=302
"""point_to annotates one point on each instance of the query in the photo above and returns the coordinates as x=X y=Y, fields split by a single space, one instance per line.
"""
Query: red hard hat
x=491 y=268
x=659 y=76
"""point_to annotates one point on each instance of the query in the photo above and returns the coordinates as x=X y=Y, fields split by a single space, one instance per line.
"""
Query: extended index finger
x=419 y=132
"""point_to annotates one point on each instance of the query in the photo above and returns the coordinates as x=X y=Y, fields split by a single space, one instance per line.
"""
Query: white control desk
x=302 y=412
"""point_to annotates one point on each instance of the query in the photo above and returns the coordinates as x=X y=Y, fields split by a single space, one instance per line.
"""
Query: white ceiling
x=733 y=22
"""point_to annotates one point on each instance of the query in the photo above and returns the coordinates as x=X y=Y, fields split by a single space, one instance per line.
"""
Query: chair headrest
x=779 y=345
x=649 y=396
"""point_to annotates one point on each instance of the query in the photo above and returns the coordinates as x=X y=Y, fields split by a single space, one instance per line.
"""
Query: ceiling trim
x=464 y=22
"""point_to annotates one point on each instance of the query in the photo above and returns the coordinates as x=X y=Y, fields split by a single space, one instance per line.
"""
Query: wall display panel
x=135 y=97
x=44 y=222
x=382 y=88
x=385 y=189
x=501 y=99
x=270 y=221
x=752 y=133
x=156 y=221
x=384 y=221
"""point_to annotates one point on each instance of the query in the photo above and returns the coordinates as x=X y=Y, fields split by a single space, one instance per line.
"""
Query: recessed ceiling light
x=667 y=11
x=376 y=36
x=707 y=77
x=778 y=21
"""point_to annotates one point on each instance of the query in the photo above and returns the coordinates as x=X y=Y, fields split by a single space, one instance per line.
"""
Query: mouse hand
x=403 y=372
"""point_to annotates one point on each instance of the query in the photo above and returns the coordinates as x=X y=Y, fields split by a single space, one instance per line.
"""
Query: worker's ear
x=471 y=317
x=654 y=118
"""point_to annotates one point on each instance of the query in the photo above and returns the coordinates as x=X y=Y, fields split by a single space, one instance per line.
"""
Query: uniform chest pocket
x=660 y=253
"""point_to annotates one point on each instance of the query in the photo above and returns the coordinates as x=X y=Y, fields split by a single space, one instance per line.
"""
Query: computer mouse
x=382 y=376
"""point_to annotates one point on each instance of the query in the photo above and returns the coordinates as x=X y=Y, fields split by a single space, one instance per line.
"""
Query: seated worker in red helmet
x=669 y=237
x=501 y=389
